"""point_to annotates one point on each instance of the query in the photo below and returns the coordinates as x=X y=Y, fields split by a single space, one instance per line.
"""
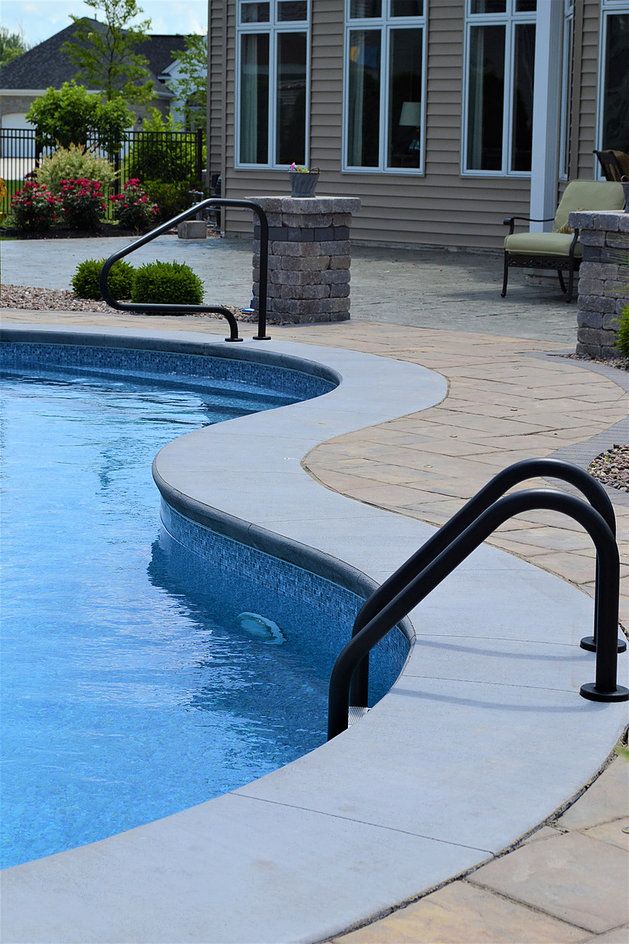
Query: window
x=500 y=63
x=273 y=88
x=613 y=124
x=384 y=86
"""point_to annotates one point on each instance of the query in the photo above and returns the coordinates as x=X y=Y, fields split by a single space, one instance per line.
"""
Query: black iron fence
x=162 y=157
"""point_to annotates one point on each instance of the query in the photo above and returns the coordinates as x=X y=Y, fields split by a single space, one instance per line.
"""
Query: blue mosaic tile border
x=176 y=367
x=280 y=584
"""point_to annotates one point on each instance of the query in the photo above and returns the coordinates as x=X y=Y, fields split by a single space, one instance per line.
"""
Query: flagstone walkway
x=508 y=399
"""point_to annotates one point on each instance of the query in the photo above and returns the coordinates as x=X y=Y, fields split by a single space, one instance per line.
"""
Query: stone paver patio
x=509 y=398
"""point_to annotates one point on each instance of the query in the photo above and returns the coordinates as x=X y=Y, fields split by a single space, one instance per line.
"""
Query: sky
x=36 y=20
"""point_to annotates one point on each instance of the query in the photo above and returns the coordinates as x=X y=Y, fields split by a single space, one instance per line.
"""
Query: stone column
x=309 y=258
x=603 y=279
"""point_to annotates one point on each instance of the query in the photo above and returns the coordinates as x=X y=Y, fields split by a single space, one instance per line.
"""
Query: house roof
x=47 y=65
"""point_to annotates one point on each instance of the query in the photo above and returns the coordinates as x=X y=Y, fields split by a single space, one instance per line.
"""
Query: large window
x=384 y=85
x=500 y=63
x=273 y=90
x=613 y=131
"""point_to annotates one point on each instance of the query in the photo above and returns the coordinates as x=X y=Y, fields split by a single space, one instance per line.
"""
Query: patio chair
x=559 y=249
x=614 y=164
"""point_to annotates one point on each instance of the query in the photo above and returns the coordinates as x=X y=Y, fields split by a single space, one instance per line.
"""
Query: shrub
x=82 y=203
x=85 y=281
x=172 y=283
x=158 y=153
x=75 y=163
x=132 y=207
x=34 y=208
x=622 y=342
x=73 y=115
x=170 y=198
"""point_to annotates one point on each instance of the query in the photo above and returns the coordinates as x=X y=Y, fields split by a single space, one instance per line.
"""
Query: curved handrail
x=219 y=309
x=604 y=688
x=495 y=488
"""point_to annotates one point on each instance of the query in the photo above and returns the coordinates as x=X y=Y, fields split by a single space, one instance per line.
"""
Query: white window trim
x=567 y=54
x=272 y=28
x=608 y=7
x=510 y=19
x=384 y=24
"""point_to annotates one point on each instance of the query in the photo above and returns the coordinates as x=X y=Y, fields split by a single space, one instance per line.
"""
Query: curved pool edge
x=397 y=804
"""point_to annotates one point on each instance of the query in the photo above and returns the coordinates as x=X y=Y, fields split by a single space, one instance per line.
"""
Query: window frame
x=567 y=53
x=384 y=24
x=608 y=8
x=510 y=19
x=273 y=27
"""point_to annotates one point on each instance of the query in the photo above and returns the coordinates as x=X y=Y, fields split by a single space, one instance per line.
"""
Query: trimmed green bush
x=170 y=198
x=85 y=279
x=171 y=283
x=623 y=332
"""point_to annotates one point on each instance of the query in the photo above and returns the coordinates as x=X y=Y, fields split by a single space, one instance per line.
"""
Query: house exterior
x=443 y=116
x=46 y=65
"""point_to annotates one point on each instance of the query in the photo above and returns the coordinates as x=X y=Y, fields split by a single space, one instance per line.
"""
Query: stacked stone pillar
x=603 y=279
x=309 y=258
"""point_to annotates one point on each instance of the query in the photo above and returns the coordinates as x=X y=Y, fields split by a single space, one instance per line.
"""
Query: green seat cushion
x=541 y=244
x=588 y=195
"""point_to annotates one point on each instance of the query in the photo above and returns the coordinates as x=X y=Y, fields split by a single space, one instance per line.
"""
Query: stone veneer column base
x=603 y=279
x=309 y=258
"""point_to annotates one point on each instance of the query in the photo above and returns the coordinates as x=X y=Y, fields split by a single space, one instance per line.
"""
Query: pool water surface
x=132 y=685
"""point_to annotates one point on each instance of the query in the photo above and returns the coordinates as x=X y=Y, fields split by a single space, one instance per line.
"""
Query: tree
x=105 y=54
x=71 y=115
x=12 y=45
x=191 y=84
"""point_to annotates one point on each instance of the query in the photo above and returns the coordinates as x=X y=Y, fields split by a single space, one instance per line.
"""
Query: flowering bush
x=34 y=207
x=82 y=202
x=132 y=208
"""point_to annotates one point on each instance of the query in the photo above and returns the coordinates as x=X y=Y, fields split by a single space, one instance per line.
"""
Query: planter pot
x=625 y=187
x=303 y=185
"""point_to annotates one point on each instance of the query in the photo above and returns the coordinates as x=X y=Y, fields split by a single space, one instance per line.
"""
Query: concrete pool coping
x=397 y=804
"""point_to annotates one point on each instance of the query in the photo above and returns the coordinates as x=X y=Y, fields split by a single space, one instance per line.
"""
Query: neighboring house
x=28 y=76
x=443 y=116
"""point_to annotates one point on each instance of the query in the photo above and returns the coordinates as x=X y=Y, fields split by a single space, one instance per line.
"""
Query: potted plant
x=302 y=180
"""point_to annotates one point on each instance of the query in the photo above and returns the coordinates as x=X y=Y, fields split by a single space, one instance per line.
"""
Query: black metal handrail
x=495 y=488
x=189 y=309
x=604 y=688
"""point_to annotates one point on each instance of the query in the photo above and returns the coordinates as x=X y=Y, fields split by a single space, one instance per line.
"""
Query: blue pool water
x=132 y=684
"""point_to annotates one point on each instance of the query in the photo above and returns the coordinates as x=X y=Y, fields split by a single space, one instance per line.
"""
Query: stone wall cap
x=596 y=219
x=303 y=205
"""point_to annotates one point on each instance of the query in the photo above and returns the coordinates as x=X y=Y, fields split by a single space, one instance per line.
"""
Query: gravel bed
x=612 y=467
x=49 y=299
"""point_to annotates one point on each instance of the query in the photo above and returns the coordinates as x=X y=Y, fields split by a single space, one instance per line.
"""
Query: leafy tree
x=12 y=45
x=71 y=115
x=105 y=55
x=191 y=85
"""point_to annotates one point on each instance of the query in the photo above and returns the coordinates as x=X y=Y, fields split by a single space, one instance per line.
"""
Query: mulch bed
x=612 y=467
x=49 y=299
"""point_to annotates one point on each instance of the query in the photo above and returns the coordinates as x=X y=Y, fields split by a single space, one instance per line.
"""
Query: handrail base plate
x=591 y=692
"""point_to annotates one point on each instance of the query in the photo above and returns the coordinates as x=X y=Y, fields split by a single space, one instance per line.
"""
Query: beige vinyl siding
x=587 y=88
x=441 y=208
x=216 y=90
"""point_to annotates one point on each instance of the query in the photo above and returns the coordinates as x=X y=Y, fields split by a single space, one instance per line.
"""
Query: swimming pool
x=138 y=677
